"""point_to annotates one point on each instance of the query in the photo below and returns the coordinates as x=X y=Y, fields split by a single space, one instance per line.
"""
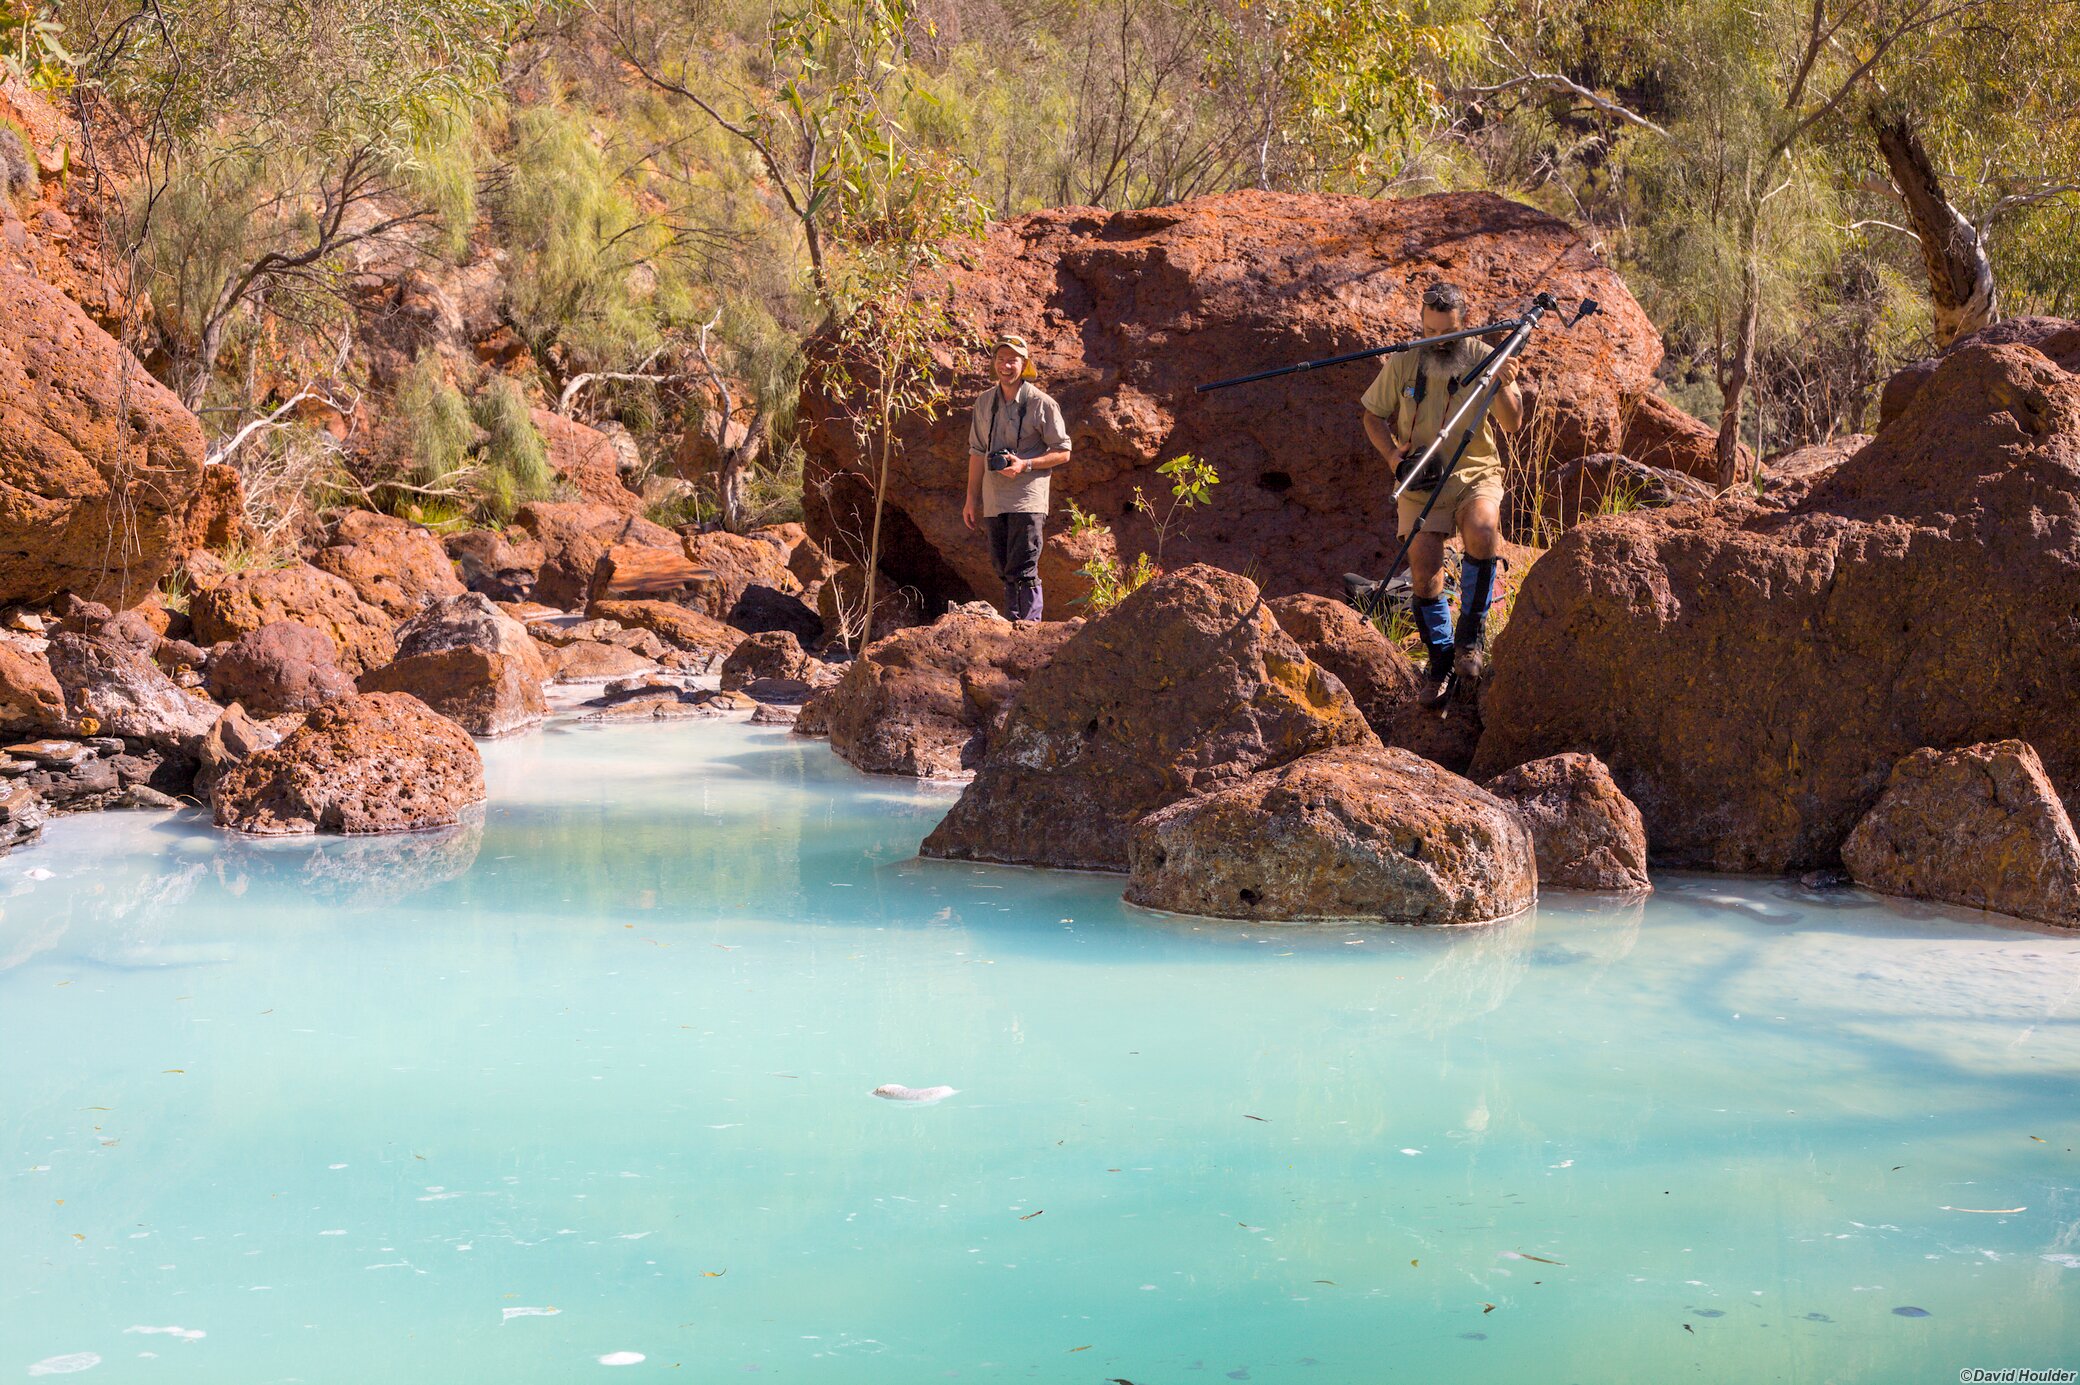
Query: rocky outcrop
x=707 y=639
x=1353 y=833
x=396 y=567
x=235 y=738
x=1380 y=677
x=98 y=461
x=761 y=609
x=592 y=661
x=22 y=815
x=1607 y=482
x=1789 y=477
x=2055 y=337
x=925 y=702
x=588 y=461
x=469 y=661
x=736 y=563
x=501 y=565
x=282 y=667
x=216 y=518
x=774 y=654
x=1752 y=673
x=30 y=699
x=1186 y=686
x=111 y=689
x=234 y=604
x=1128 y=311
x=1980 y=826
x=574 y=536
x=375 y=762
x=98 y=773
x=1588 y=835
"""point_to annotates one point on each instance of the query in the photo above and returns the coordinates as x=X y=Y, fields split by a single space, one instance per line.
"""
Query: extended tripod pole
x=1472 y=413
x=1367 y=354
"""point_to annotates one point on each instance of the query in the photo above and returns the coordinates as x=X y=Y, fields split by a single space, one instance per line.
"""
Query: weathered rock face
x=216 y=518
x=282 y=667
x=1588 y=835
x=376 y=762
x=574 y=536
x=1186 y=686
x=1980 y=826
x=503 y=566
x=1129 y=311
x=1352 y=833
x=1380 y=677
x=112 y=690
x=98 y=461
x=240 y=602
x=234 y=739
x=394 y=566
x=738 y=562
x=774 y=654
x=763 y=608
x=2056 y=337
x=588 y=460
x=469 y=661
x=702 y=636
x=30 y=699
x=590 y=661
x=1605 y=481
x=924 y=702
x=1790 y=478
x=1751 y=674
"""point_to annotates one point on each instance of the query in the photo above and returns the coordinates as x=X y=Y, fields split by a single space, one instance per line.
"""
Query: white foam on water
x=2071 y=1262
x=186 y=1334
x=926 y=1096
x=39 y=873
x=332 y=1233
x=512 y=1313
x=621 y=1358
x=65 y=1365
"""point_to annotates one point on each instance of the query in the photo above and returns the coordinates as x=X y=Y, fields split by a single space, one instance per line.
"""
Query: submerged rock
x=1363 y=832
x=374 y=762
x=469 y=661
x=1187 y=686
x=925 y=702
x=1587 y=833
x=1980 y=826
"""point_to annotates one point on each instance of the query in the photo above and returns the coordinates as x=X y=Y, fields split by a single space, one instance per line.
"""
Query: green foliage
x=435 y=427
x=1082 y=521
x=1191 y=485
x=32 y=47
x=1113 y=582
x=514 y=460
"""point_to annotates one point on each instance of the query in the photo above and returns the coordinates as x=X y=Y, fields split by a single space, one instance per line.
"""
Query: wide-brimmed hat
x=1022 y=347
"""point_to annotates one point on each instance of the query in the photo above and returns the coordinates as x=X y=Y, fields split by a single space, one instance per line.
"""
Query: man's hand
x=968 y=512
x=1017 y=466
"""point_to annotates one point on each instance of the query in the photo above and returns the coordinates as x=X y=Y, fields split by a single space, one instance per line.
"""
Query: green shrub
x=435 y=429
x=515 y=461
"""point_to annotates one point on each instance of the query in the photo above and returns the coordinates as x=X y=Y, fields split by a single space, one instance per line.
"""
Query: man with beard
x=1405 y=407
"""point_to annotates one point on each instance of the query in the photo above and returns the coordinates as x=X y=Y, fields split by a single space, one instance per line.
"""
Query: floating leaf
x=1526 y=1255
x=1030 y=1215
x=1073 y=1350
x=1246 y=1116
x=713 y=1274
x=1487 y=1308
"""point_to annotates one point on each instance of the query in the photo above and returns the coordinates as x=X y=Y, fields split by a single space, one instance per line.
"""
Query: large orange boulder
x=98 y=461
x=588 y=460
x=1980 y=826
x=393 y=565
x=574 y=536
x=1187 y=686
x=1129 y=311
x=374 y=762
x=1588 y=835
x=469 y=661
x=1359 y=832
x=237 y=603
x=1751 y=672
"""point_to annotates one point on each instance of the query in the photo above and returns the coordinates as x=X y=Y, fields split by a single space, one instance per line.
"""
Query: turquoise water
x=586 y=1091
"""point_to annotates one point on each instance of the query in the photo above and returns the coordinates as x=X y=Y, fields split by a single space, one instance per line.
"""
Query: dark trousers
x=1014 y=546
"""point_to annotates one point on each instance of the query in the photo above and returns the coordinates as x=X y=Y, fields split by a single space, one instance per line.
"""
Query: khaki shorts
x=1444 y=515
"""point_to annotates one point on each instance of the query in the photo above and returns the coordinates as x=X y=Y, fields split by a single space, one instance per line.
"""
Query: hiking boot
x=1437 y=686
x=1470 y=663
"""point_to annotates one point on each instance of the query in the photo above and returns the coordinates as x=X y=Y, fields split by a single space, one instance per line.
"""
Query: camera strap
x=996 y=402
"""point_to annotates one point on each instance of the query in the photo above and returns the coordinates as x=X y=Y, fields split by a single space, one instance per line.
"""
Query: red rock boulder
x=1752 y=673
x=588 y=460
x=1360 y=832
x=282 y=667
x=1186 y=686
x=395 y=566
x=1980 y=826
x=1588 y=835
x=98 y=461
x=237 y=603
x=376 y=762
x=31 y=701
x=924 y=702
x=1129 y=311
x=690 y=632
x=574 y=536
x=469 y=661
x=113 y=690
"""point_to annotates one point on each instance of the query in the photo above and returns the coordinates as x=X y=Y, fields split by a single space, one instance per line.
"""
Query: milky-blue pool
x=584 y=1092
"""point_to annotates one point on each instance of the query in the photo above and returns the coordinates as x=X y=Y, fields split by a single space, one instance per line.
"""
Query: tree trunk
x=1733 y=380
x=1960 y=276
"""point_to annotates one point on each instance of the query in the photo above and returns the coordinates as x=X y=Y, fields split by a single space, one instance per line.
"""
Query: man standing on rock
x=1015 y=438
x=1404 y=408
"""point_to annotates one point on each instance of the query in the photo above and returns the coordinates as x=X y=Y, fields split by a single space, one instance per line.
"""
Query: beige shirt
x=1389 y=398
x=1030 y=424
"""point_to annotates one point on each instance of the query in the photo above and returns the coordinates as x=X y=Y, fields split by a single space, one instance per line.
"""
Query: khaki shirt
x=1029 y=425
x=1389 y=398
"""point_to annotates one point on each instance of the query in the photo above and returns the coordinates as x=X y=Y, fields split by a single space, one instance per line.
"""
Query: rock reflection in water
x=355 y=872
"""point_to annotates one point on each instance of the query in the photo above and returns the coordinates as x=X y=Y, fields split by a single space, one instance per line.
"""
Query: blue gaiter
x=1476 y=594
x=1434 y=624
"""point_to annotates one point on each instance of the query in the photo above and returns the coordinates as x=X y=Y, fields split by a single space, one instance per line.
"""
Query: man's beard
x=1455 y=358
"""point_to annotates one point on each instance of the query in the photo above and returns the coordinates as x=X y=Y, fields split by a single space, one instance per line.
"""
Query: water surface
x=583 y=1090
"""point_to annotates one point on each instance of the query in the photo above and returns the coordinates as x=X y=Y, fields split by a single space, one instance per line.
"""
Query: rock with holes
x=1358 y=832
x=375 y=762
x=1980 y=826
x=1186 y=686
x=1587 y=833
x=231 y=604
x=397 y=567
